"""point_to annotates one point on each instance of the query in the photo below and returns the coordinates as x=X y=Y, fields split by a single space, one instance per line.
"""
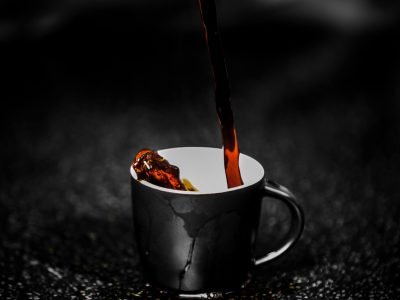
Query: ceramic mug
x=204 y=241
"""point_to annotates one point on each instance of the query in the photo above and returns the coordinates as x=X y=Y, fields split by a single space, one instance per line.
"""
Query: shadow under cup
x=204 y=241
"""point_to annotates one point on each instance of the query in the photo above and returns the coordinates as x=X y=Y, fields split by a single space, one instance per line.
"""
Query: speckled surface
x=324 y=123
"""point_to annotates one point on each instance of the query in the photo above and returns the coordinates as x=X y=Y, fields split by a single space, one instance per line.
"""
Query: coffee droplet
x=188 y=185
x=153 y=168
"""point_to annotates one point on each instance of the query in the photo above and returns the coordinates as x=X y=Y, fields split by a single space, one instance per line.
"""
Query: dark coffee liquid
x=222 y=92
x=154 y=168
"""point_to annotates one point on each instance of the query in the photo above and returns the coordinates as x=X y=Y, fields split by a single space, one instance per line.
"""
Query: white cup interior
x=204 y=168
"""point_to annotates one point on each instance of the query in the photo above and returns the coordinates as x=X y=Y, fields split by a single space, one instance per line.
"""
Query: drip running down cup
x=204 y=241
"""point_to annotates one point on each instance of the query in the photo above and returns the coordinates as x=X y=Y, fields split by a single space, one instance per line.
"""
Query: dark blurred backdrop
x=86 y=84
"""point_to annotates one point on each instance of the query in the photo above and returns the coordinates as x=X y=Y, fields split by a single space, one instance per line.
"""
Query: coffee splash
x=154 y=168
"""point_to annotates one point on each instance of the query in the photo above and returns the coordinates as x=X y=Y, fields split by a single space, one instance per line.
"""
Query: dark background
x=86 y=84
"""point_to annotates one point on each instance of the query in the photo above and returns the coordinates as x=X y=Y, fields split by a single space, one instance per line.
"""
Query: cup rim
x=172 y=191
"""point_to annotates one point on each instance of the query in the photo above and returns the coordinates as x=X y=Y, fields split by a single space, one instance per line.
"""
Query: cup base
x=216 y=294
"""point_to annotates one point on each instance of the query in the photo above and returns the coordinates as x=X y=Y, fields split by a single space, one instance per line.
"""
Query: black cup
x=202 y=242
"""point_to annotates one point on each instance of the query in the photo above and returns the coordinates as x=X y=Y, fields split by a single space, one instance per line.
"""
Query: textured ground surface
x=323 y=120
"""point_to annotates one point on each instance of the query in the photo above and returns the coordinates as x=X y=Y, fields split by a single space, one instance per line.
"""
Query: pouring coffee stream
x=222 y=92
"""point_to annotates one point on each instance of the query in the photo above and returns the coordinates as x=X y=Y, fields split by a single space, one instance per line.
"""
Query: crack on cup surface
x=193 y=224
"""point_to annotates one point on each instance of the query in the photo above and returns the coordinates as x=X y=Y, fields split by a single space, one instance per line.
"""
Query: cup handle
x=274 y=190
